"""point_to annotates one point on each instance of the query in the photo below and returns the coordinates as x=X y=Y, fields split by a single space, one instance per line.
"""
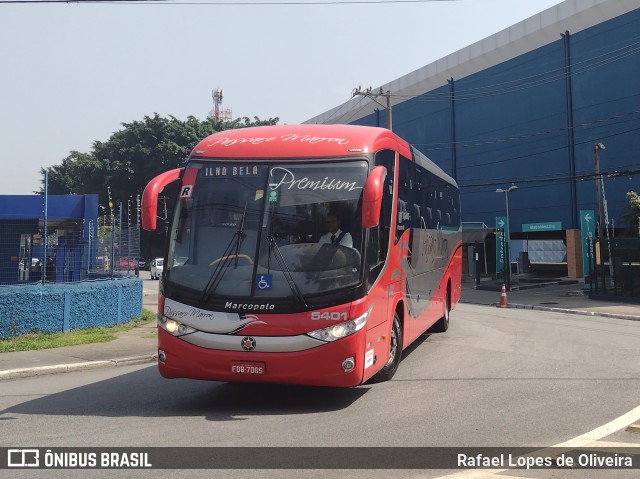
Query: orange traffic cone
x=503 y=297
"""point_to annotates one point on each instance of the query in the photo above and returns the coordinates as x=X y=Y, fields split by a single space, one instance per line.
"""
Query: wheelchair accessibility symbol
x=264 y=282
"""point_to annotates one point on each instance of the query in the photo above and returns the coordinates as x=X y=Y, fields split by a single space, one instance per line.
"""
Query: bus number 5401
x=329 y=316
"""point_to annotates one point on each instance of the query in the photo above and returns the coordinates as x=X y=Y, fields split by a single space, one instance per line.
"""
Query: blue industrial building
x=69 y=253
x=527 y=107
x=48 y=268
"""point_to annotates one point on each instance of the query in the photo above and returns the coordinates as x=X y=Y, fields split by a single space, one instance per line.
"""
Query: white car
x=157 y=265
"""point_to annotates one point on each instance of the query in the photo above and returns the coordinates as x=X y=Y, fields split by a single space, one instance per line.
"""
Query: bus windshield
x=267 y=231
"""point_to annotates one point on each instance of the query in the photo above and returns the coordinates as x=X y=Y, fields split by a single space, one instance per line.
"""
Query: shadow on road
x=144 y=393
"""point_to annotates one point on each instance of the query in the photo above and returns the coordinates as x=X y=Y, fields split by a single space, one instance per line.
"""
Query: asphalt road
x=499 y=377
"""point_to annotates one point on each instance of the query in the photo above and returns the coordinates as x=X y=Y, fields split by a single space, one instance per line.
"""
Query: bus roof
x=307 y=141
x=281 y=141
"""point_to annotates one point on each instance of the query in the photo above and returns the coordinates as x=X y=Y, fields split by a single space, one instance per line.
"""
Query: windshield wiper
x=240 y=236
x=216 y=277
x=284 y=267
x=285 y=270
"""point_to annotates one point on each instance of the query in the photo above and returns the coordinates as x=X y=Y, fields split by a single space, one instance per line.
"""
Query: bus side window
x=406 y=195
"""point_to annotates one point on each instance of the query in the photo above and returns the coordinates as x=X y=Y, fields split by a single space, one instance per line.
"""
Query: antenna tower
x=217 y=113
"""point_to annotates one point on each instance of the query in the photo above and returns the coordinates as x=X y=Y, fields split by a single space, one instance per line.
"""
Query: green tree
x=127 y=161
x=135 y=154
x=631 y=212
x=77 y=174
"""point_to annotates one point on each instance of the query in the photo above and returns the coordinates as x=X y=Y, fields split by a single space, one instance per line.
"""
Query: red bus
x=253 y=289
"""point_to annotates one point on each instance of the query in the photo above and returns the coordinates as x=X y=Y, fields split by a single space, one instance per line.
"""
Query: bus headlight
x=339 y=331
x=174 y=327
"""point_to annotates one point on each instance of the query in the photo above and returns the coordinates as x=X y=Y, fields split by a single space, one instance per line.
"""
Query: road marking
x=501 y=476
x=614 y=445
x=580 y=441
x=604 y=430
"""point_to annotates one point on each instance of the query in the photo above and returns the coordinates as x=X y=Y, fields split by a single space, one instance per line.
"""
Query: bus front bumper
x=337 y=363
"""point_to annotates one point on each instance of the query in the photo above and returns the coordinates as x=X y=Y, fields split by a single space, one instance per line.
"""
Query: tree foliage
x=134 y=155
x=126 y=162
x=631 y=211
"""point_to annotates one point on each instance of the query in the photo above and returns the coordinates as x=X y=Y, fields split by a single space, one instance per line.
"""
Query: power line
x=518 y=84
x=373 y=95
x=526 y=83
x=364 y=105
x=624 y=117
x=551 y=179
x=343 y=106
x=537 y=153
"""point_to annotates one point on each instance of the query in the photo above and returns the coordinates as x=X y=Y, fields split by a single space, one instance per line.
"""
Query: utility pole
x=507 y=274
x=369 y=93
x=596 y=174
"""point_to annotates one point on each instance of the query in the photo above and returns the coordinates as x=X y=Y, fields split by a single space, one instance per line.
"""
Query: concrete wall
x=63 y=307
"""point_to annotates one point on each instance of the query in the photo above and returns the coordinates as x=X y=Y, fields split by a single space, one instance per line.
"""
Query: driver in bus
x=335 y=235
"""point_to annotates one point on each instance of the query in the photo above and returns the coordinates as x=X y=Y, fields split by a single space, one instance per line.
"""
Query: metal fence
x=618 y=271
x=67 y=250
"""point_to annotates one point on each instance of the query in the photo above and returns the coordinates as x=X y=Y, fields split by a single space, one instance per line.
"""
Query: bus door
x=385 y=276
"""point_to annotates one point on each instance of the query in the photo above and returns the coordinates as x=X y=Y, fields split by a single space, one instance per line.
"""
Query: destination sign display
x=234 y=170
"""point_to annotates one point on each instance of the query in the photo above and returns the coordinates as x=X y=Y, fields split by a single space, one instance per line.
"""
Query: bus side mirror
x=149 y=208
x=372 y=197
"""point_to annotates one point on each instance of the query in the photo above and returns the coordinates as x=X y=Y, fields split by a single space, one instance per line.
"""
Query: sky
x=71 y=74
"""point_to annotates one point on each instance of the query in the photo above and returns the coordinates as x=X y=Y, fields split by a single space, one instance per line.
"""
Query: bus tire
x=442 y=325
x=395 y=353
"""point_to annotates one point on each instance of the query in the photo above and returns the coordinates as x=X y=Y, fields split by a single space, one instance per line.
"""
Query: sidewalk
x=564 y=295
x=138 y=346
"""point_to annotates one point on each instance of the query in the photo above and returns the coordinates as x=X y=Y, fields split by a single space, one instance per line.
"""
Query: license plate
x=247 y=367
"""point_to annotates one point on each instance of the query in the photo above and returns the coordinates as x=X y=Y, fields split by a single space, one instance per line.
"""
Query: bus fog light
x=348 y=364
x=162 y=356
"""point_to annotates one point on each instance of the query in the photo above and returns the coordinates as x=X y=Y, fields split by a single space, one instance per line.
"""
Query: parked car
x=141 y=264
x=156 y=268
x=125 y=263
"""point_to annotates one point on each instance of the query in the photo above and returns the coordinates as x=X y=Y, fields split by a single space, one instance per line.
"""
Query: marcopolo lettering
x=250 y=307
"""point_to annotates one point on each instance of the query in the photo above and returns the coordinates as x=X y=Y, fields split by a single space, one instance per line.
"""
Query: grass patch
x=37 y=340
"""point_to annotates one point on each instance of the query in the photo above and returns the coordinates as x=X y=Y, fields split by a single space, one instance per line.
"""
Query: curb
x=66 y=368
x=628 y=317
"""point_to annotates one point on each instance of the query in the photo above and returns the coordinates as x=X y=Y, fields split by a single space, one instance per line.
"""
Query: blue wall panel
x=42 y=308
x=607 y=99
x=512 y=125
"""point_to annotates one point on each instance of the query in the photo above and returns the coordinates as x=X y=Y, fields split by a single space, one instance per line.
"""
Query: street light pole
x=596 y=172
x=508 y=255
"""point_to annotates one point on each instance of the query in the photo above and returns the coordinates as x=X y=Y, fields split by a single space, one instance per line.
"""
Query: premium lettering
x=289 y=181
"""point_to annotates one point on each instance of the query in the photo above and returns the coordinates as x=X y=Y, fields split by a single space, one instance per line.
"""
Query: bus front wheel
x=395 y=353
